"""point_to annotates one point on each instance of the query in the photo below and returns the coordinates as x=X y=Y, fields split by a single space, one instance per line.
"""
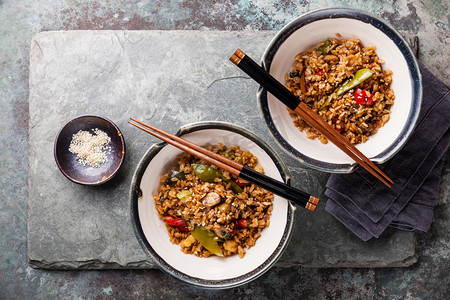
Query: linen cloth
x=367 y=207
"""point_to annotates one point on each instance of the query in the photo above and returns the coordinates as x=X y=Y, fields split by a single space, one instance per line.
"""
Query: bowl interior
x=87 y=175
x=212 y=271
x=304 y=36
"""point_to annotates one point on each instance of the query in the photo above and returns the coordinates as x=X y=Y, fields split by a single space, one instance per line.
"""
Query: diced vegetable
x=187 y=242
x=183 y=194
x=175 y=176
x=230 y=245
x=241 y=223
x=224 y=208
x=178 y=222
x=360 y=76
x=293 y=74
x=325 y=47
x=363 y=97
x=236 y=189
x=207 y=239
x=241 y=182
x=209 y=174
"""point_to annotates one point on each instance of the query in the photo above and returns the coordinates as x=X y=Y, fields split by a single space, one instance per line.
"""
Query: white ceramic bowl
x=212 y=272
x=307 y=32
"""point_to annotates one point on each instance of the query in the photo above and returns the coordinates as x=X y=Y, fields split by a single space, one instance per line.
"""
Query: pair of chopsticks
x=278 y=90
x=277 y=187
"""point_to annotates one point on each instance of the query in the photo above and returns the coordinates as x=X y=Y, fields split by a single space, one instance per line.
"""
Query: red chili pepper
x=320 y=73
x=363 y=97
x=241 y=182
x=241 y=223
x=177 y=223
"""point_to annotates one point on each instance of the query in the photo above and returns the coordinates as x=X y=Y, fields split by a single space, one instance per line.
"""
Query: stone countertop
x=21 y=20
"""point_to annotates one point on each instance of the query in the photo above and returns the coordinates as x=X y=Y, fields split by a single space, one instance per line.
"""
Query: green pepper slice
x=209 y=174
x=360 y=76
x=175 y=176
x=207 y=239
x=325 y=47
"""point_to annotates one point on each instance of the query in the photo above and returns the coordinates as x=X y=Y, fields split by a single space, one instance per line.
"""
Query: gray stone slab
x=168 y=78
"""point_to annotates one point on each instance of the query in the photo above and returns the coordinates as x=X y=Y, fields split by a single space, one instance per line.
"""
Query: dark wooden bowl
x=67 y=161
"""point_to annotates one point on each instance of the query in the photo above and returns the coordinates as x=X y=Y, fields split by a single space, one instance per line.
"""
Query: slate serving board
x=168 y=78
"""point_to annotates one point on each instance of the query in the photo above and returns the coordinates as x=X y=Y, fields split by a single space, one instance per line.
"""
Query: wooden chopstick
x=280 y=188
x=278 y=90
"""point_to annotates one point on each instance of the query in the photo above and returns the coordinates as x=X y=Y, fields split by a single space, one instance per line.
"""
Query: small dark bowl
x=67 y=161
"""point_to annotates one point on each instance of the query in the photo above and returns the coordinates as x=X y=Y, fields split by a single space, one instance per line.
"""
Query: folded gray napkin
x=366 y=206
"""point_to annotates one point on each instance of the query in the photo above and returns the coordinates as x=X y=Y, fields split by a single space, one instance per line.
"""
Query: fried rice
x=318 y=73
x=234 y=219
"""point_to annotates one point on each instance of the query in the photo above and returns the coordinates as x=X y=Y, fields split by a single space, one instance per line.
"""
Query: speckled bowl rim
x=415 y=78
x=105 y=179
x=135 y=193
